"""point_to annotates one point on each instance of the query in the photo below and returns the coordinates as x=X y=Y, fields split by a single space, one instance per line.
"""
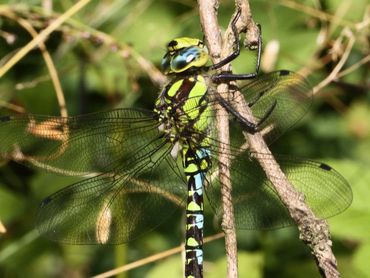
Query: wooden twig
x=208 y=17
x=314 y=232
x=335 y=72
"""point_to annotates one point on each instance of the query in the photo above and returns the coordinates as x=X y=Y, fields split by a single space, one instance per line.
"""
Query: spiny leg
x=236 y=51
x=248 y=125
x=227 y=76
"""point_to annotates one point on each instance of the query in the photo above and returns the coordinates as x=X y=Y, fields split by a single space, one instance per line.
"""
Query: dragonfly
x=140 y=166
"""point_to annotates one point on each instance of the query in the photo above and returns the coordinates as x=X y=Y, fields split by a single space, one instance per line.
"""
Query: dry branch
x=208 y=17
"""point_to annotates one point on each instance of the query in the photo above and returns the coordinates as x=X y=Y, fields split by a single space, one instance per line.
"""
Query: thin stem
x=335 y=72
x=208 y=16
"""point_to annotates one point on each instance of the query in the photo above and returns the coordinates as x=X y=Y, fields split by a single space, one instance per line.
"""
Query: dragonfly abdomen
x=196 y=164
x=183 y=111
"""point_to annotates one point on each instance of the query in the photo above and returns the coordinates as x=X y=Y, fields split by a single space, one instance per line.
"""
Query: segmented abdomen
x=196 y=163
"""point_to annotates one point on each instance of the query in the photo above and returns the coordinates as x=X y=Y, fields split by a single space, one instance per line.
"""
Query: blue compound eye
x=165 y=63
x=183 y=54
x=185 y=58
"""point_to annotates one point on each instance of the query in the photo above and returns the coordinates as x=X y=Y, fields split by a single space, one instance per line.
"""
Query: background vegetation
x=103 y=55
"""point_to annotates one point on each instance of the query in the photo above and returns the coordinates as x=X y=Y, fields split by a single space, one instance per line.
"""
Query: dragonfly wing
x=326 y=191
x=287 y=96
x=78 y=145
x=288 y=91
x=119 y=207
x=258 y=206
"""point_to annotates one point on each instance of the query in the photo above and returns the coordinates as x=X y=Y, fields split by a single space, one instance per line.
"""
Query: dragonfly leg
x=228 y=76
x=248 y=125
x=236 y=51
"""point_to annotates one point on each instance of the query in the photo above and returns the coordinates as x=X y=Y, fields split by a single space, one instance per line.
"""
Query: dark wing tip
x=284 y=72
x=325 y=167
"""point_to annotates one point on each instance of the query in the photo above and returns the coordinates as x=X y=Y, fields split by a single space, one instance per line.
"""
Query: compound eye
x=179 y=63
x=185 y=58
x=183 y=54
x=166 y=63
x=190 y=58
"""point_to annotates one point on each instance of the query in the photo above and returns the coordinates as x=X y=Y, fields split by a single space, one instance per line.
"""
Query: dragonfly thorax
x=183 y=110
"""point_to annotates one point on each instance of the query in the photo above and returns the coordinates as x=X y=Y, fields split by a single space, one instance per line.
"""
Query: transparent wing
x=288 y=95
x=120 y=206
x=291 y=93
x=135 y=183
x=257 y=205
x=80 y=145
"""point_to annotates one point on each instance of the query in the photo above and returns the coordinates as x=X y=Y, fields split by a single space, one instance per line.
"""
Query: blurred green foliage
x=98 y=75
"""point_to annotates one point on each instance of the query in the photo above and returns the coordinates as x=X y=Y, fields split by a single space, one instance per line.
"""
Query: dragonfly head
x=184 y=54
